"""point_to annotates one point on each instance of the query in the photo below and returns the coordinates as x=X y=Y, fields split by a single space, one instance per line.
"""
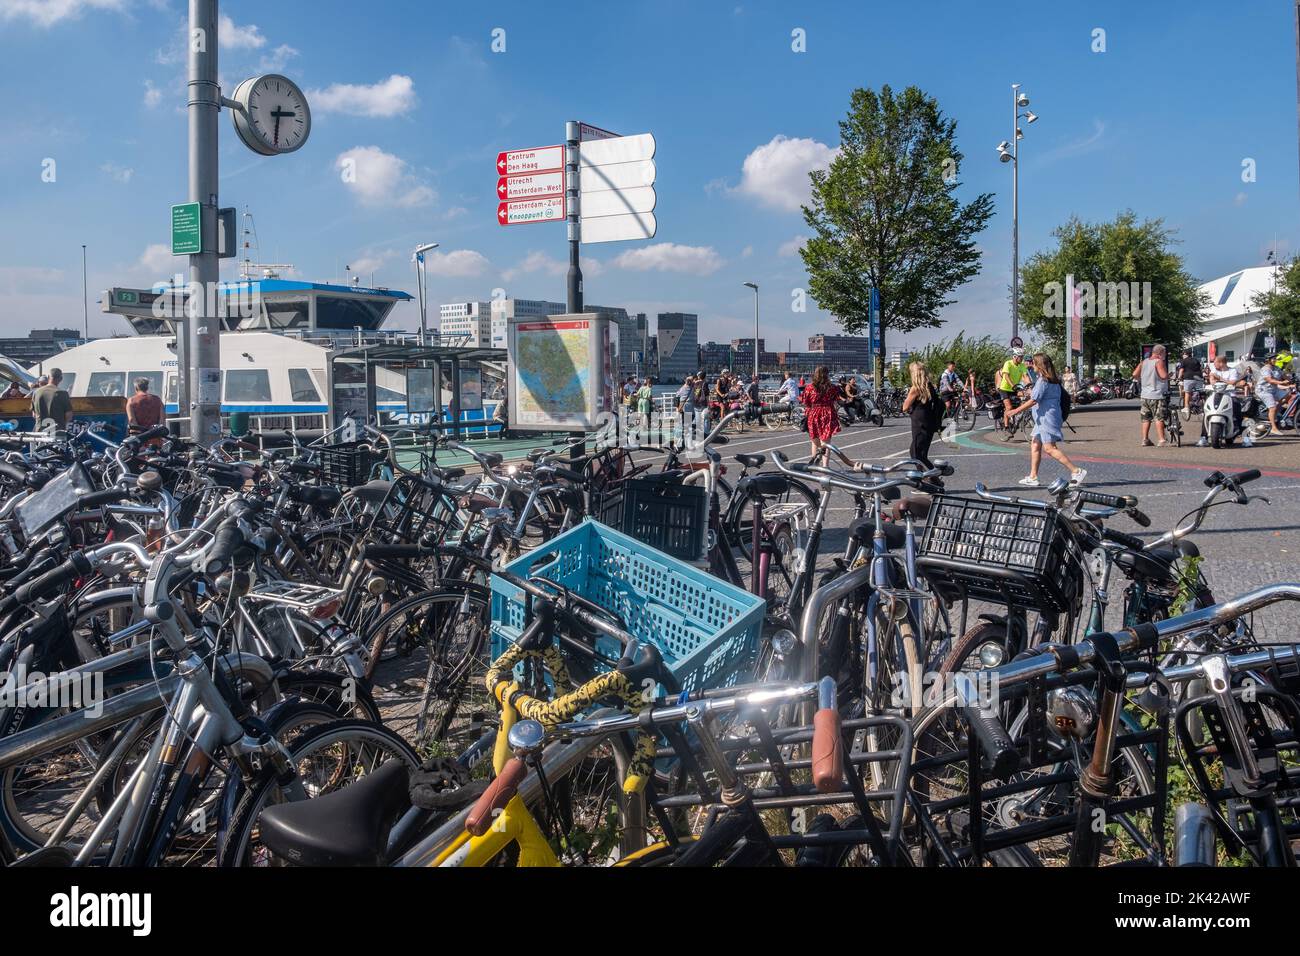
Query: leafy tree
x=1112 y=264
x=984 y=356
x=1283 y=304
x=885 y=214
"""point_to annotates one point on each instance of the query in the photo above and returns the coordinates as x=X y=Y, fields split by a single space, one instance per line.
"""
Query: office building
x=39 y=345
x=466 y=323
x=678 y=339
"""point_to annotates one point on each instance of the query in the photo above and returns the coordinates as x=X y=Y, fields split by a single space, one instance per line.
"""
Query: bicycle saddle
x=373 y=492
x=492 y=458
x=917 y=506
x=348 y=827
x=476 y=504
x=863 y=531
x=768 y=484
x=324 y=497
x=1142 y=564
x=752 y=461
x=448 y=474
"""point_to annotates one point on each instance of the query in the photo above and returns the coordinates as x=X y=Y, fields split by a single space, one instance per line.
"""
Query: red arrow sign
x=530 y=210
x=540 y=159
x=531 y=186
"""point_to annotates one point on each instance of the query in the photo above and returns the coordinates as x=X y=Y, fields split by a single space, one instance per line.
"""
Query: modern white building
x=1234 y=326
x=466 y=323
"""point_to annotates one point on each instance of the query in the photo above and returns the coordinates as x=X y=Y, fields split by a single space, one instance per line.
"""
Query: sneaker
x=1161 y=443
x=1029 y=481
x=1202 y=443
x=1077 y=476
x=1147 y=443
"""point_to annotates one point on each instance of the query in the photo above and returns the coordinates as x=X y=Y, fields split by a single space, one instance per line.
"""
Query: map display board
x=561 y=372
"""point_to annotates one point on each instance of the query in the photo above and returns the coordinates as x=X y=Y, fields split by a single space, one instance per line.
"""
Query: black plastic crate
x=346 y=464
x=667 y=515
x=1007 y=553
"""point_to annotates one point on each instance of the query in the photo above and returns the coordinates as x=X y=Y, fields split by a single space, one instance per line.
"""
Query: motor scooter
x=1225 y=420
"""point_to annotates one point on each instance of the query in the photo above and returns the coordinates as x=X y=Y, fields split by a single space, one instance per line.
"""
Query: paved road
x=1244 y=547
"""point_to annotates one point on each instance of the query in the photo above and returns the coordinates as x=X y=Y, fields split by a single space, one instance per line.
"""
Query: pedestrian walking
x=1045 y=401
x=821 y=398
x=925 y=407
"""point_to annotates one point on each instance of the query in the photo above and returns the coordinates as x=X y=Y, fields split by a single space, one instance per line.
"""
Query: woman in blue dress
x=1045 y=401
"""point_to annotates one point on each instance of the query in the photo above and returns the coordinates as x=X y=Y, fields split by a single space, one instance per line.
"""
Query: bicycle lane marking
x=1267 y=472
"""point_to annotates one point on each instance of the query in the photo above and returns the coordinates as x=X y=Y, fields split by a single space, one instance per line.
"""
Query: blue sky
x=1160 y=122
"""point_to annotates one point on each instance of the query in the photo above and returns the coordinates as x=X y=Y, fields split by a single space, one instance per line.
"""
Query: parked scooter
x=1224 y=423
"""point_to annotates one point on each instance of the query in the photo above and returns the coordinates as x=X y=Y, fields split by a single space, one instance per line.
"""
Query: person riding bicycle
x=1191 y=379
x=1014 y=371
x=949 y=385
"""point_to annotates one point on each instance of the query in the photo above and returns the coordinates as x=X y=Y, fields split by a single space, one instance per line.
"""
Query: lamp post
x=754 y=286
x=85 y=307
x=421 y=289
x=1010 y=153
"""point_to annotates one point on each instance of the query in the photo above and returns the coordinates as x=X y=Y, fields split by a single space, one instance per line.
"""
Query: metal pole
x=574 y=299
x=756 y=332
x=204 y=329
x=419 y=289
x=1015 y=214
x=85 y=307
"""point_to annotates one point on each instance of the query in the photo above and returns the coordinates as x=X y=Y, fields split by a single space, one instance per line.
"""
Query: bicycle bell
x=526 y=737
x=1072 y=711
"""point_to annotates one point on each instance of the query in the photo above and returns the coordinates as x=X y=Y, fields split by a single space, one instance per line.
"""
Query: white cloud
x=378 y=178
x=371 y=261
x=458 y=263
x=23 y=279
x=1084 y=144
x=46 y=13
x=277 y=59
x=391 y=97
x=121 y=174
x=537 y=261
x=671 y=257
x=746 y=252
x=776 y=173
x=234 y=37
x=152 y=95
x=791 y=247
x=158 y=258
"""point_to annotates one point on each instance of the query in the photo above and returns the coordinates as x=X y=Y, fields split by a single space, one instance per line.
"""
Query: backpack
x=1066 y=403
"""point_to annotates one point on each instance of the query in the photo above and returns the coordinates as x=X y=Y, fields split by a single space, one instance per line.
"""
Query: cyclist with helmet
x=1013 y=372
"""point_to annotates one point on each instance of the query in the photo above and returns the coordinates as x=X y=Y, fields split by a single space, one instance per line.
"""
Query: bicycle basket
x=666 y=515
x=346 y=464
x=707 y=630
x=1014 y=554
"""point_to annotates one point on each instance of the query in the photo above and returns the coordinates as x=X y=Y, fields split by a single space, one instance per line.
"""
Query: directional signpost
x=530 y=210
x=616 y=180
x=530 y=186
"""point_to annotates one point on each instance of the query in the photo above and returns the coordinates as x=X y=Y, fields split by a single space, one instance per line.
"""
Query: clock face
x=275 y=118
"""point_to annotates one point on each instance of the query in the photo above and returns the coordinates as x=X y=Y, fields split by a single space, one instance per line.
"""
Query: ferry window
x=173 y=390
x=388 y=396
x=155 y=381
x=69 y=379
x=301 y=387
x=248 y=385
x=106 y=384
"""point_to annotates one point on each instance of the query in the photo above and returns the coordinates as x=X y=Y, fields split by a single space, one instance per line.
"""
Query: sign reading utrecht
x=187 y=230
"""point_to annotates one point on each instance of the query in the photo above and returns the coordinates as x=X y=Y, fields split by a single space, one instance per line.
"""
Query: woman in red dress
x=820 y=399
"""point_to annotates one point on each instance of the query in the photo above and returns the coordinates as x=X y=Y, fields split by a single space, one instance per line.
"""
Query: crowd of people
x=52 y=405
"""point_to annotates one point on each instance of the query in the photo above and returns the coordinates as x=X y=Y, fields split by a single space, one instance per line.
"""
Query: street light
x=754 y=286
x=85 y=306
x=420 y=287
x=1010 y=153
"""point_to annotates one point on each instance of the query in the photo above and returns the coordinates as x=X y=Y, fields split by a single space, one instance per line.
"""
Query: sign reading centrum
x=187 y=231
x=542 y=159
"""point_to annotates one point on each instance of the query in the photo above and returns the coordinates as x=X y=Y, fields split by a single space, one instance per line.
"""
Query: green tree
x=1134 y=289
x=1282 y=304
x=886 y=215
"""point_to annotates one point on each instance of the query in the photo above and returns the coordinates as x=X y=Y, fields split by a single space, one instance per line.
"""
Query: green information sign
x=187 y=231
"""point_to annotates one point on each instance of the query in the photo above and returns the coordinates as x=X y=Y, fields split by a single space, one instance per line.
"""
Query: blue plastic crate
x=707 y=630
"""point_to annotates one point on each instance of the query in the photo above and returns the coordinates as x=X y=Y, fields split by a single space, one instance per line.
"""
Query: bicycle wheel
x=742 y=519
x=428 y=656
x=326 y=758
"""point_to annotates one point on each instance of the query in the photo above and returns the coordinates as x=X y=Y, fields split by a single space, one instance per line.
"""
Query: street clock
x=270 y=114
